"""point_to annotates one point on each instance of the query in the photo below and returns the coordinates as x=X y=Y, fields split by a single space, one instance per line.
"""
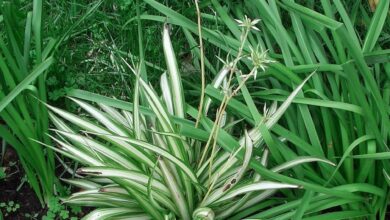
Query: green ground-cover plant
x=88 y=59
x=9 y=207
x=57 y=210
x=85 y=60
x=342 y=114
x=150 y=161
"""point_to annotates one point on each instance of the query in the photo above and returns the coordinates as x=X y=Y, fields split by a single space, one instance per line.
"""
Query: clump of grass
x=26 y=54
x=24 y=61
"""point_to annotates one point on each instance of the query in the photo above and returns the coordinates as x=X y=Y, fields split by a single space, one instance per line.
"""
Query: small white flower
x=248 y=23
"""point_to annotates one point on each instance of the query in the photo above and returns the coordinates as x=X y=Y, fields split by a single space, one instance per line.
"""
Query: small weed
x=2 y=173
x=57 y=210
x=9 y=207
x=31 y=215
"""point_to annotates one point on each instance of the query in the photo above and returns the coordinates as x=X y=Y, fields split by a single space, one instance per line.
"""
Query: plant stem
x=202 y=70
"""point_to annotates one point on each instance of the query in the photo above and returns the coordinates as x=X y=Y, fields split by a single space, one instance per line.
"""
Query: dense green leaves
x=295 y=125
x=161 y=171
x=343 y=112
x=22 y=86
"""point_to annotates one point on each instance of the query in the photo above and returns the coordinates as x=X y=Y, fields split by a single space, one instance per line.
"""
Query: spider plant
x=152 y=161
x=342 y=114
